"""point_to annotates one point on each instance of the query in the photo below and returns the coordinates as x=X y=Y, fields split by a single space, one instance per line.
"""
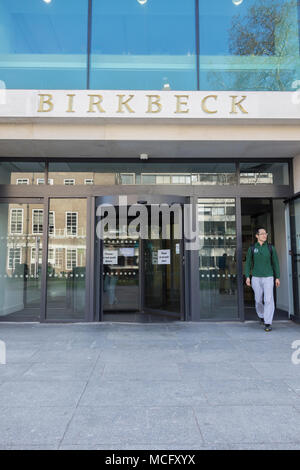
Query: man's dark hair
x=260 y=228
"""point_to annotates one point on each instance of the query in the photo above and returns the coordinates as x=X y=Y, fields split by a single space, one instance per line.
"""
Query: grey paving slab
x=249 y=392
x=58 y=372
x=213 y=370
x=283 y=369
x=138 y=425
x=251 y=424
x=142 y=393
x=42 y=393
x=123 y=355
x=69 y=356
x=138 y=370
x=33 y=426
x=11 y=371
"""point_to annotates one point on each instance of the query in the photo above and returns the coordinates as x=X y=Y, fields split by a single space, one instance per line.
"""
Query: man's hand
x=248 y=282
x=277 y=282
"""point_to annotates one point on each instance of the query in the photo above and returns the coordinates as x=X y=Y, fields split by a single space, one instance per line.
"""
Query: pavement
x=170 y=386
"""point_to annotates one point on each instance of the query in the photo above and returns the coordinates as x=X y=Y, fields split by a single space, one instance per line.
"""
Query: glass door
x=295 y=244
x=121 y=274
x=21 y=236
x=163 y=271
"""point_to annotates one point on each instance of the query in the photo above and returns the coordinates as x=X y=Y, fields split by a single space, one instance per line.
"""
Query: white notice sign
x=163 y=257
x=110 y=257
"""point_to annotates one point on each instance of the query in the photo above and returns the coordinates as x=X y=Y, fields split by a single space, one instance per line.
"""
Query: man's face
x=262 y=236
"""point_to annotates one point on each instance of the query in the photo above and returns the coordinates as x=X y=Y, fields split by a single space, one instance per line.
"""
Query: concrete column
x=296 y=170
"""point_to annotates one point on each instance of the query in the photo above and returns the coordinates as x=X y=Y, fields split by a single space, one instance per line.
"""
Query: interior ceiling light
x=47 y=1
x=144 y=156
x=237 y=2
x=142 y=2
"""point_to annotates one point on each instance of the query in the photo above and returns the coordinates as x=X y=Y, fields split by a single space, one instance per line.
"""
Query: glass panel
x=20 y=262
x=43 y=45
x=141 y=173
x=162 y=264
x=143 y=45
x=255 y=213
x=121 y=274
x=249 y=45
x=264 y=173
x=22 y=172
x=66 y=271
x=217 y=258
x=295 y=235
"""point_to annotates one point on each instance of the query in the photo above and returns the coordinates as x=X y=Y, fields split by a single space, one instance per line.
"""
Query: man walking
x=262 y=260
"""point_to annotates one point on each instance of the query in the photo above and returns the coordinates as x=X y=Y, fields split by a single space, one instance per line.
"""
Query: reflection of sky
x=216 y=20
x=119 y=26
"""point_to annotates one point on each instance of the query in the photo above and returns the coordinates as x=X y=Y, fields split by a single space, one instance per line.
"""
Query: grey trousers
x=264 y=297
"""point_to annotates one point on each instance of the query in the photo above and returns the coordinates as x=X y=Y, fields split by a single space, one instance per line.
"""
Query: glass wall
x=66 y=269
x=138 y=44
x=90 y=173
x=264 y=173
x=22 y=172
x=295 y=236
x=150 y=44
x=217 y=259
x=21 y=231
x=43 y=45
x=249 y=44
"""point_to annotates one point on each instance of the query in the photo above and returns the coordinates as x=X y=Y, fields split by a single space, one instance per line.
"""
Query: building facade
x=141 y=107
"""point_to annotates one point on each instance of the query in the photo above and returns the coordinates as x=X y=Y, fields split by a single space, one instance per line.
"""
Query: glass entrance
x=295 y=253
x=21 y=235
x=141 y=277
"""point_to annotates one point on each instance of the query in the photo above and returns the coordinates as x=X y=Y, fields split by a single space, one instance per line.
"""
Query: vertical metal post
x=197 y=32
x=239 y=259
x=89 y=42
x=45 y=259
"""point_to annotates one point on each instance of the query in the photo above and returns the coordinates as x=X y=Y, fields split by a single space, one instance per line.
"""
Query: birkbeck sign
x=148 y=104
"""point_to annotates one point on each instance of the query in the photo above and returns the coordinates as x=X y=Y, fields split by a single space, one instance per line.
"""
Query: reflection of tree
x=264 y=48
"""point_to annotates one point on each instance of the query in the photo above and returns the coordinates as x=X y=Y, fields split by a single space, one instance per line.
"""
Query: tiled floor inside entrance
x=150 y=386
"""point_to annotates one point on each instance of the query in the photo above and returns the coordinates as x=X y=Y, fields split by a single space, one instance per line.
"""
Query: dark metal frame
x=113 y=199
x=43 y=194
x=293 y=254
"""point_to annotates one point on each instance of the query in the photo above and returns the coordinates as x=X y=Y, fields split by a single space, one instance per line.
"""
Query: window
x=69 y=182
x=23 y=172
x=51 y=222
x=135 y=49
x=45 y=46
x=42 y=181
x=89 y=181
x=71 y=260
x=22 y=181
x=264 y=173
x=37 y=221
x=126 y=178
x=71 y=223
x=14 y=257
x=16 y=221
x=59 y=256
x=33 y=256
x=51 y=256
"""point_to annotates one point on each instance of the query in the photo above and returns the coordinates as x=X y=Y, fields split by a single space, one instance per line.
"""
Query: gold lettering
x=70 y=104
x=124 y=103
x=155 y=102
x=44 y=101
x=180 y=103
x=237 y=103
x=204 y=106
x=95 y=103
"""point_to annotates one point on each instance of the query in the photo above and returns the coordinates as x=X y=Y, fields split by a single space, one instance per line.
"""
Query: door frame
x=146 y=199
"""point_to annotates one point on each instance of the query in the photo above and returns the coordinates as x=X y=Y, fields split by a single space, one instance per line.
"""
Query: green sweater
x=260 y=262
